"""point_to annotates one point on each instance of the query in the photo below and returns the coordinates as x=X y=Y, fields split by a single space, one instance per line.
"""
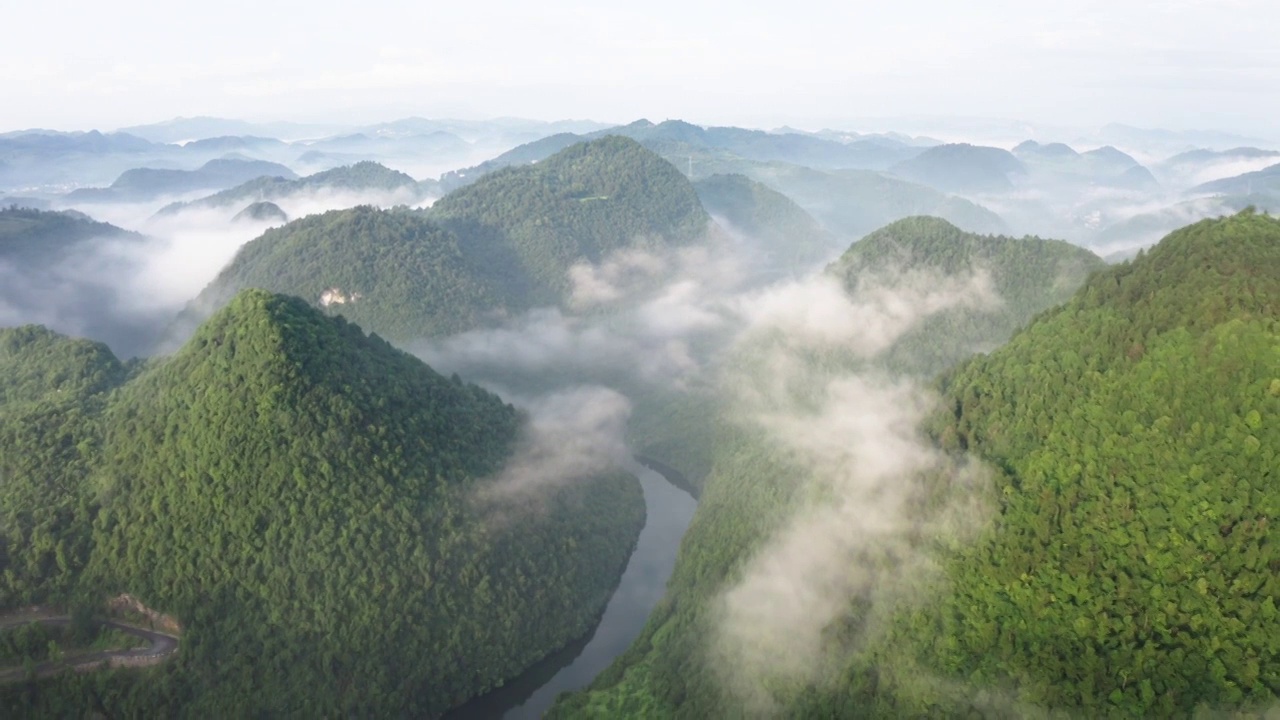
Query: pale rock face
x=335 y=296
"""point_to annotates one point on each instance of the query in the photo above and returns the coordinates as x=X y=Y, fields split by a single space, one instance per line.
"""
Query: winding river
x=668 y=512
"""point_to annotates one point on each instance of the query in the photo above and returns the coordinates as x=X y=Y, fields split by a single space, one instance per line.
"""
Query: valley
x=643 y=420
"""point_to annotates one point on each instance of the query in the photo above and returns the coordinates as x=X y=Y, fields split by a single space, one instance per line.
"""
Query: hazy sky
x=1169 y=63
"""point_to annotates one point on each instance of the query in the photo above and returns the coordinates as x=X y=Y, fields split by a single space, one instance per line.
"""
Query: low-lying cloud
x=863 y=473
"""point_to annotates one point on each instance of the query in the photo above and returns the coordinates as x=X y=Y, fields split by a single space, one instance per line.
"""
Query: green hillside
x=503 y=244
x=1028 y=275
x=31 y=239
x=52 y=392
x=302 y=497
x=773 y=224
x=1137 y=432
x=529 y=224
x=1129 y=570
x=394 y=272
x=749 y=484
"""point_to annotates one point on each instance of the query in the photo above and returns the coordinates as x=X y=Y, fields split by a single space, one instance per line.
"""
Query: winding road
x=162 y=645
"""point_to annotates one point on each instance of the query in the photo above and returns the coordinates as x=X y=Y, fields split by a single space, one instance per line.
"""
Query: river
x=668 y=512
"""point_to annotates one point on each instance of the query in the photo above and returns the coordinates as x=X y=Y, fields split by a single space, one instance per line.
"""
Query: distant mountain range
x=143 y=184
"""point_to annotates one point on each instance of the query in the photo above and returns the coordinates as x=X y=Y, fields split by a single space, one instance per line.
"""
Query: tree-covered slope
x=774 y=224
x=32 y=239
x=750 y=483
x=1132 y=566
x=307 y=501
x=393 y=272
x=533 y=222
x=52 y=389
x=1027 y=275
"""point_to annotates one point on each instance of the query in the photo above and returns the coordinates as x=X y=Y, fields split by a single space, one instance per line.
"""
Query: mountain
x=395 y=272
x=233 y=144
x=32 y=240
x=262 y=212
x=787 y=237
x=852 y=203
x=677 y=668
x=52 y=389
x=307 y=500
x=1156 y=141
x=361 y=178
x=962 y=168
x=44 y=159
x=529 y=224
x=143 y=184
x=525 y=154
x=1028 y=275
x=1132 y=442
x=1135 y=431
x=61 y=269
x=499 y=246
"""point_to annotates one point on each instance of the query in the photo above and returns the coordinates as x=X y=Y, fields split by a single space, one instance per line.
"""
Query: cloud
x=570 y=436
x=865 y=474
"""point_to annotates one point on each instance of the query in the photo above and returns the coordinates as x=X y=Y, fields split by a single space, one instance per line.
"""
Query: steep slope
x=502 y=245
x=60 y=269
x=394 y=272
x=1027 y=274
x=755 y=483
x=306 y=499
x=1136 y=436
x=774 y=224
x=52 y=390
x=33 y=239
x=962 y=168
x=531 y=223
x=852 y=203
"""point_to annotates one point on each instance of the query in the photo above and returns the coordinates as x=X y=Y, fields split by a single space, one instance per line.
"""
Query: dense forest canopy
x=1129 y=568
x=535 y=221
x=500 y=246
x=302 y=497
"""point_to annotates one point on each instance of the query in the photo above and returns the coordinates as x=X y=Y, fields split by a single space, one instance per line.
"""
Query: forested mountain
x=394 y=272
x=1135 y=432
x=849 y=202
x=362 y=177
x=962 y=168
x=262 y=212
x=52 y=390
x=143 y=184
x=1027 y=274
x=60 y=269
x=303 y=498
x=1132 y=441
x=774 y=225
x=527 y=225
x=504 y=244
x=33 y=239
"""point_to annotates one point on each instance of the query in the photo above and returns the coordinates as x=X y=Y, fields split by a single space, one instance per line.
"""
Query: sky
x=1178 y=64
